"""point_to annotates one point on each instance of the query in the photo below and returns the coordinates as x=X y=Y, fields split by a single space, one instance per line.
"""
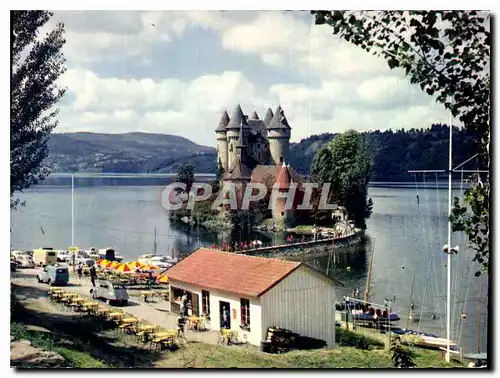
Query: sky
x=174 y=72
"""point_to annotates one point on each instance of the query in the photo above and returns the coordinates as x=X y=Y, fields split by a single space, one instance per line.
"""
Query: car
x=111 y=292
x=13 y=265
x=57 y=274
x=63 y=256
x=26 y=261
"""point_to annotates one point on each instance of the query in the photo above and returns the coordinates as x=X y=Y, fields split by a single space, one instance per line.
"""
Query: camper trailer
x=44 y=256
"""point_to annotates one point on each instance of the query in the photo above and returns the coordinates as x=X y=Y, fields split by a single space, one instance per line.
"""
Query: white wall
x=304 y=302
x=255 y=334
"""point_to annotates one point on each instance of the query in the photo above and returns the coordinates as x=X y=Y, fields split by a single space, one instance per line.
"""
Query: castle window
x=281 y=159
x=282 y=213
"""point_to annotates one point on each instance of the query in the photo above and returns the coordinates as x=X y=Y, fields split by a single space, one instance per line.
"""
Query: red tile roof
x=283 y=178
x=230 y=272
x=260 y=173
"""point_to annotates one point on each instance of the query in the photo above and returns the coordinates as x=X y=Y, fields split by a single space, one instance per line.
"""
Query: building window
x=245 y=312
x=205 y=302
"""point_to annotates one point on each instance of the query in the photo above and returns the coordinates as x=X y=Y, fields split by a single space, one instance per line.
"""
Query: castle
x=253 y=150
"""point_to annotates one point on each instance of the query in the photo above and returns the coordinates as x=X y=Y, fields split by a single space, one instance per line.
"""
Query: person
x=151 y=279
x=181 y=324
x=79 y=271
x=225 y=318
x=184 y=300
x=93 y=275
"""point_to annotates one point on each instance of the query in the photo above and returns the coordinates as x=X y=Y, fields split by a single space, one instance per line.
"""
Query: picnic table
x=103 y=311
x=116 y=315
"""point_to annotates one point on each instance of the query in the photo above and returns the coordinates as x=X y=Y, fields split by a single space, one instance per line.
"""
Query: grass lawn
x=197 y=355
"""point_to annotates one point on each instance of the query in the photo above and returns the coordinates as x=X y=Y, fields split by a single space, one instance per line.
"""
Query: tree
x=401 y=357
x=345 y=164
x=447 y=53
x=36 y=65
x=185 y=174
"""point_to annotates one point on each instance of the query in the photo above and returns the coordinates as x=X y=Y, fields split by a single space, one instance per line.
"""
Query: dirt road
x=153 y=312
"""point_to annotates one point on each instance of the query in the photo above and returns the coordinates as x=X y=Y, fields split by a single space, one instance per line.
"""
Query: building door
x=225 y=314
x=196 y=304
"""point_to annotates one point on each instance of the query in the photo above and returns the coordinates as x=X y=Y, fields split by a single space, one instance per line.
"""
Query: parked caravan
x=44 y=256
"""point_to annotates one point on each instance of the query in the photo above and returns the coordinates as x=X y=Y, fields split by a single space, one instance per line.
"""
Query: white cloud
x=336 y=86
x=166 y=106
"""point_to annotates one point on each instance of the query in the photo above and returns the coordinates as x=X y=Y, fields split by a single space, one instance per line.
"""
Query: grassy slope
x=107 y=347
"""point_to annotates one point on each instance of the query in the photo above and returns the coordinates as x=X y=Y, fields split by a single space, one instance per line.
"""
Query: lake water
x=405 y=237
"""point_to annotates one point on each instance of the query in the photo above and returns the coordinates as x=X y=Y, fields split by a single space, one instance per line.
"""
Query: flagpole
x=72 y=210
x=448 y=265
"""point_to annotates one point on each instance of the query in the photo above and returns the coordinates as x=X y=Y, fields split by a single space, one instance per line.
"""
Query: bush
x=352 y=339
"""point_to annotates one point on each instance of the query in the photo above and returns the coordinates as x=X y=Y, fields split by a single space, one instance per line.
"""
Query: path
x=152 y=312
x=301 y=247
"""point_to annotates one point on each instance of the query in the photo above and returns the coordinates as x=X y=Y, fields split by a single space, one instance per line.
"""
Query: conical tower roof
x=238 y=171
x=237 y=119
x=269 y=117
x=279 y=120
x=224 y=121
x=254 y=115
x=283 y=178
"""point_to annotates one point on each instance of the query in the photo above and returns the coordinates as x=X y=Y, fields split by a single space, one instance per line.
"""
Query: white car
x=26 y=261
x=17 y=254
x=63 y=256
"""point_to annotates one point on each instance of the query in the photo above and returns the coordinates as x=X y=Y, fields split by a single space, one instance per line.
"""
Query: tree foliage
x=345 y=164
x=185 y=174
x=447 y=53
x=36 y=63
x=401 y=357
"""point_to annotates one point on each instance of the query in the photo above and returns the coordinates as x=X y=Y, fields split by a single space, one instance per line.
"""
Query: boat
x=144 y=259
x=424 y=341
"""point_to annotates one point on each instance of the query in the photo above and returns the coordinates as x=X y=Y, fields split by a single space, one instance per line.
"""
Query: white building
x=257 y=292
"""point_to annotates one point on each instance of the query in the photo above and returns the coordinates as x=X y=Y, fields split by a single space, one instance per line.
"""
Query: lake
x=405 y=237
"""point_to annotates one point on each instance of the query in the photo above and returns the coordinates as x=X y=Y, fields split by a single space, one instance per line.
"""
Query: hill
x=393 y=153
x=126 y=153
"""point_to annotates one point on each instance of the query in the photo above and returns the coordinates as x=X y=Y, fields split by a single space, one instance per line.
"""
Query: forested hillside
x=126 y=153
x=395 y=152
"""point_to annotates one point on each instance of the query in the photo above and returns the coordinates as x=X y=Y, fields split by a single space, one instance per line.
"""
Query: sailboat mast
x=369 y=280
x=154 y=244
x=410 y=306
x=448 y=265
x=423 y=297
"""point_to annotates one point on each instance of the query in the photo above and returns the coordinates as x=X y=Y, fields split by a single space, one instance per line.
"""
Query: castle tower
x=282 y=216
x=269 y=117
x=221 y=135
x=237 y=122
x=278 y=134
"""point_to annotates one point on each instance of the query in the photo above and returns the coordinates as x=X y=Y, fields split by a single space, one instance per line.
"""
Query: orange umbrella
x=102 y=262
x=123 y=268
x=163 y=278
x=108 y=265
x=135 y=264
x=115 y=264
